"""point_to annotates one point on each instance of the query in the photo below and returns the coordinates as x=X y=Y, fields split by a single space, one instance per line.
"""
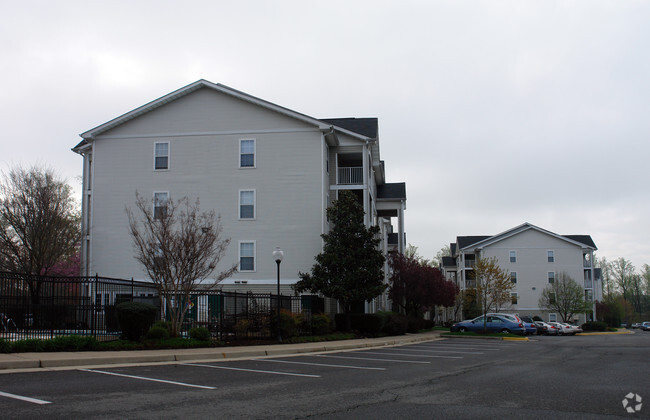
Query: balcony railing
x=470 y=263
x=350 y=176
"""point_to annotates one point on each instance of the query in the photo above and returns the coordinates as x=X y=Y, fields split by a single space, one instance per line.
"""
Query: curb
x=16 y=362
x=478 y=337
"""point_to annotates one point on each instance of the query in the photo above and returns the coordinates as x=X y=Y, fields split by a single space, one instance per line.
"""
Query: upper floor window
x=513 y=277
x=246 y=153
x=513 y=298
x=247 y=204
x=513 y=256
x=551 y=276
x=160 y=204
x=247 y=256
x=550 y=256
x=161 y=156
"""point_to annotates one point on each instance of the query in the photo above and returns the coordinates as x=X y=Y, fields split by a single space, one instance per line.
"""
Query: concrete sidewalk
x=26 y=362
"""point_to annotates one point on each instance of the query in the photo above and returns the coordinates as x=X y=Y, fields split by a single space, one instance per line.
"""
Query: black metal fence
x=45 y=307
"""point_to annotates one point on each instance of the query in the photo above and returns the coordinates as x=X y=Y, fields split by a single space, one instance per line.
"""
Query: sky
x=494 y=113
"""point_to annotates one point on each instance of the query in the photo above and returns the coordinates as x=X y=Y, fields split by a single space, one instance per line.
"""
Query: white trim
x=207 y=133
x=239 y=244
x=168 y=156
x=239 y=153
x=254 y=191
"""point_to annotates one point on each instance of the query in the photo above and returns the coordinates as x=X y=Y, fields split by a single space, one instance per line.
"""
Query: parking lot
x=581 y=376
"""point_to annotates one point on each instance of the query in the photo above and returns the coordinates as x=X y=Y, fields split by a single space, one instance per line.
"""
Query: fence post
x=93 y=301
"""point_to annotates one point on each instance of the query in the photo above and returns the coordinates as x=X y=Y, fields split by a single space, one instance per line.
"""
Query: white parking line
x=463 y=347
x=441 y=351
x=253 y=370
x=321 y=364
x=20 y=397
x=414 y=355
x=372 y=359
x=148 y=379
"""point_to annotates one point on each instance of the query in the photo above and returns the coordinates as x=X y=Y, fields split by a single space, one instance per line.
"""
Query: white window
x=550 y=256
x=552 y=317
x=513 y=256
x=247 y=204
x=247 y=153
x=161 y=156
x=513 y=298
x=247 y=256
x=513 y=277
x=160 y=200
x=551 y=276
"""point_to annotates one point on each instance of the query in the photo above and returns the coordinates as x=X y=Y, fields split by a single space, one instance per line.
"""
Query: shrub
x=414 y=324
x=428 y=324
x=135 y=319
x=287 y=326
x=367 y=323
x=158 y=332
x=242 y=327
x=200 y=333
x=321 y=324
x=5 y=346
x=396 y=325
x=594 y=326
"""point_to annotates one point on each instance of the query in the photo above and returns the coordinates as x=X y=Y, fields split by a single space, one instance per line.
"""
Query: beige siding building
x=534 y=257
x=270 y=173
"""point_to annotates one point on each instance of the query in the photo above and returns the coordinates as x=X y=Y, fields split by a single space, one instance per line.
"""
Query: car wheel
x=505 y=330
x=462 y=329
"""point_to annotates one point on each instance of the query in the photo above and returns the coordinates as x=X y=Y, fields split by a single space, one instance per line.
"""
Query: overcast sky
x=495 y=113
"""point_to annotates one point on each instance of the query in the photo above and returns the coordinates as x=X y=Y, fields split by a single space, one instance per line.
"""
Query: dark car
x=491 y=323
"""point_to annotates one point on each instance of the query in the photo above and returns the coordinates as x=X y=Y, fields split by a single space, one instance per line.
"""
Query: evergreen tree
x=350 y=268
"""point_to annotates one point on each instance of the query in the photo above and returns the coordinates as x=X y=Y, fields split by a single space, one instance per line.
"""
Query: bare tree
x=179 y=248
x=622 y=273
x=493 y=284
x=564 y=296
x=39 y=223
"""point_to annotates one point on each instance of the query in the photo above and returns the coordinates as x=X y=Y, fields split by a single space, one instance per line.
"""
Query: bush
x=414 y=324
x=5 y=346
x=242 y=327
x=428 y=324
x=396 y=325
x=594 y=326
x=367 y=323
x=287 y=326
x=135 y=319
x=321 y=324
x=158 y=332
x=200 y=333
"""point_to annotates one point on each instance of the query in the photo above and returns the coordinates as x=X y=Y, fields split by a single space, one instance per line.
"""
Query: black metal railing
x=44 y=307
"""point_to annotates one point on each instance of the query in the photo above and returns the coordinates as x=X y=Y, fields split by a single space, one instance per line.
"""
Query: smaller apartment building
x=534 y=257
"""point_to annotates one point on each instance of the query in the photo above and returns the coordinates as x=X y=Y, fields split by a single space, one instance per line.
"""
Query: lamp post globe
x=278 y=255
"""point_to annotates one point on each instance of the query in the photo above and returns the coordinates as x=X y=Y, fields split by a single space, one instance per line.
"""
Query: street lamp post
x=278 y=254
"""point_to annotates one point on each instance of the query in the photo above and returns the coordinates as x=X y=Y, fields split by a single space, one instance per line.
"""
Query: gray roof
x=583 y=239
x=392 y=191
x=365 y=126
x=464 y=241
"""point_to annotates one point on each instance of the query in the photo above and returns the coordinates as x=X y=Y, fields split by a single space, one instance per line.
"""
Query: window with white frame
x=551 y=277
x=552 y=317
x=160 y=200
x=247 y=256
x=550 y=256
x=513 y=277
x=161 y=156
x=513 y=256
x=513 y=298
x=247 y=204
x=247 y=153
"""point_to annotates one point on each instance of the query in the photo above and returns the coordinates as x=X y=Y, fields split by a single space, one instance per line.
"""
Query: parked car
x=562 y=329
x=576 y=328
x=547 y=329
x=491 y=322
x=645 y=326
x=529 y=324
x=636 y=325
x=569 y=329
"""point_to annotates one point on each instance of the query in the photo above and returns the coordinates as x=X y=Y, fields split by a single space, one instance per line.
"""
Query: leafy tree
x=609 y=288
x=417 y=287
x=622 y=272
x=445 y=251
x=564 y=296
x=350 y=267
x=39 y=223
x=493 y=284
x=471 y=304
x=179 y=248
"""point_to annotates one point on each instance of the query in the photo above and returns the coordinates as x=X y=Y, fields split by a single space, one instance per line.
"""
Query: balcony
x=470 y=263
x=350 y=175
